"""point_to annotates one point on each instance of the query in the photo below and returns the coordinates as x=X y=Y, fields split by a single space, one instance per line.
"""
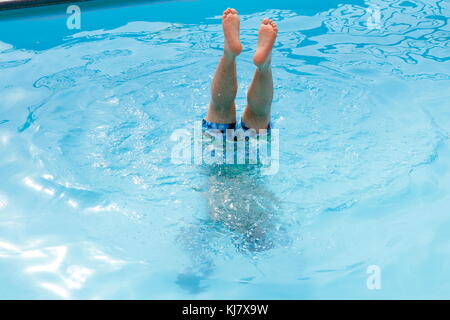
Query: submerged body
x=234 y=197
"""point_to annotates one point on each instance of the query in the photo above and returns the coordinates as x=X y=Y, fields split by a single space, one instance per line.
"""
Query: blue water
x=91 y=206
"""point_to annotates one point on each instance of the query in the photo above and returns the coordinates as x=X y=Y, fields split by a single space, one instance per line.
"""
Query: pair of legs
x=222 y=108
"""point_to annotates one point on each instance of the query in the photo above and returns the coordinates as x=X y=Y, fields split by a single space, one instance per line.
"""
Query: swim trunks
x=206 y=125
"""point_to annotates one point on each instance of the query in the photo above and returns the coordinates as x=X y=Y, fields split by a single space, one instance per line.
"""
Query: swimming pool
x=92 y=207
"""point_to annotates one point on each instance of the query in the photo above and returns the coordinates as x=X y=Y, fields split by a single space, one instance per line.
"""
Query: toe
x=274 y=25
x=227 y=11
x=266 y=21
x=234 y=11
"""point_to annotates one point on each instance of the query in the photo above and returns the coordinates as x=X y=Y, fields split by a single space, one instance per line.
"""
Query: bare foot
x=231 y=28
x=266 y=39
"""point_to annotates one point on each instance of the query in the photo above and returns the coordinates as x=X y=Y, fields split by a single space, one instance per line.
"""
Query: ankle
x=265 y=67
x=229 y=55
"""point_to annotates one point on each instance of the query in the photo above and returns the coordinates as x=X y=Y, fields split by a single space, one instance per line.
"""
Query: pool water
x=92 y=207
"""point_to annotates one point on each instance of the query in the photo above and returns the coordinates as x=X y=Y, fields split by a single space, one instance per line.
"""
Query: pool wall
x=44 y=27
x=18 y=4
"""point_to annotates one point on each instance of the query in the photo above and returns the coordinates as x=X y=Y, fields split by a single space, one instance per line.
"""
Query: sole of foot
x=231 y=30
x=266 y=39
